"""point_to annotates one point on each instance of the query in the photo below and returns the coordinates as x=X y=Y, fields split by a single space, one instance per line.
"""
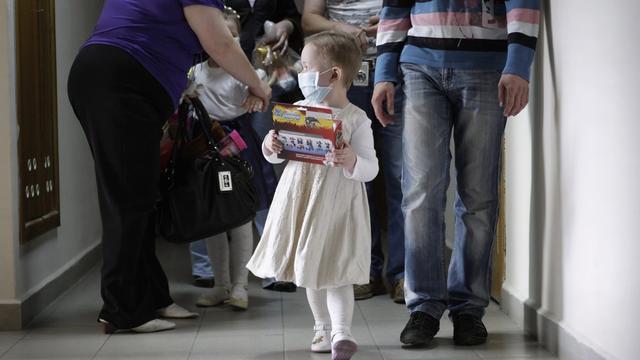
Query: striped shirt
x=356 y=13
x=464 y=34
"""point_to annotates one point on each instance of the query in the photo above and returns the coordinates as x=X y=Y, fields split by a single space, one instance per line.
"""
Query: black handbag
x=206 y=194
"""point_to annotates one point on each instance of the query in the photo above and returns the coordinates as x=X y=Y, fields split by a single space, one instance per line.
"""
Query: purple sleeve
x=213 y=3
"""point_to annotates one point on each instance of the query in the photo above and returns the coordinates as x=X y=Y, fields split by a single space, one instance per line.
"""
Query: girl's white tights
x=237 y=245
x=333 y=307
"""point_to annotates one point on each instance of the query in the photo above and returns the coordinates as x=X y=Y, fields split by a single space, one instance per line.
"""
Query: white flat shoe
x=321 y=342
x=154 y=325
x=148 y=327
x=239 y=298
x=217 y=296
x=175 y=311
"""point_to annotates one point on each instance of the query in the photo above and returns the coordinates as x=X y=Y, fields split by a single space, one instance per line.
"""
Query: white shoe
x=154 y=325
x=175 y=311
x=217 y=296
x=239 y=297
x=321 y=342
x=343 y=346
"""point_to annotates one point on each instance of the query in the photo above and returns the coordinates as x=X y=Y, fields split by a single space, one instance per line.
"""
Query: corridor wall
x=34 y=273
x=572 y=185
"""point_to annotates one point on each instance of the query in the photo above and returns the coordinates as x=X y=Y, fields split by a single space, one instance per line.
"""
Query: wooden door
x=37 y=117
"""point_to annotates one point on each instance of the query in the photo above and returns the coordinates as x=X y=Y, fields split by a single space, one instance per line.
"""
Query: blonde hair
x=338 y=48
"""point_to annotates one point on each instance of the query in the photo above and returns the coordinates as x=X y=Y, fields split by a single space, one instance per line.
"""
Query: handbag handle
x=203 y=119
x=205 y=123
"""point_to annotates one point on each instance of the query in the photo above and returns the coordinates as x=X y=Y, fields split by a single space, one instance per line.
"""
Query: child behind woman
x=317 y=232
x=225 y=98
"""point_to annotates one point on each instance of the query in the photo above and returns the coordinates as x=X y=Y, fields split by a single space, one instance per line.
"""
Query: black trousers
x=121 y=108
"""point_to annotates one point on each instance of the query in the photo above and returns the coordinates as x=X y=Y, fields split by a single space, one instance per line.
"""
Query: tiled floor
x=277 y=326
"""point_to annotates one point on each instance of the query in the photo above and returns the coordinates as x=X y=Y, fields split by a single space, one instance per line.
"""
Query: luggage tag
x=362 y=78
x=224 y=181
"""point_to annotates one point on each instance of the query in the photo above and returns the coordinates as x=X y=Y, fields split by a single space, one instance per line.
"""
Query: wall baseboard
x=10 y=316
x=17 y=315
x=553 y=336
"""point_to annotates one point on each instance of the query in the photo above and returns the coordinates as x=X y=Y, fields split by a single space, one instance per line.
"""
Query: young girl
x=225 y=98
x=317 y=232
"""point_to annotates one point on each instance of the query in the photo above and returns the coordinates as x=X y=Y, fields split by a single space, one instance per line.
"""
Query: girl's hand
x=253 y=104
x=345 y=158
x=272 y=143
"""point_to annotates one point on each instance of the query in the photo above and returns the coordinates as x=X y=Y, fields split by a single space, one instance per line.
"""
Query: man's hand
x=513 y=92
x=384 y=92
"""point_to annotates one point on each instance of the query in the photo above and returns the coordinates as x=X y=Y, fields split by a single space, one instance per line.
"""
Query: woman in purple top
x=124 y=84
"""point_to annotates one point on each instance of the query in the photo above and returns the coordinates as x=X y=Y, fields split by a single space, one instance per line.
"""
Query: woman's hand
x=345 y=158
x=253 y=104
x=358 y=33
x=273 y=145
x=263 y=92
x=372 y=26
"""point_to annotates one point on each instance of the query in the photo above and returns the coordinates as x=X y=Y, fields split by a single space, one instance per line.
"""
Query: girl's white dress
x=318 y=231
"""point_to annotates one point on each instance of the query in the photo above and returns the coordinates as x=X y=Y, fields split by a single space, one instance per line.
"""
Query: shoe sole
x=470 y=341
x=190 y=316
x=206 y=285
x=107 y=327
x=285 y=288
x=343 y=350
x=415 y=342
x=364 y=297
x=210 y=304
x=239 y=305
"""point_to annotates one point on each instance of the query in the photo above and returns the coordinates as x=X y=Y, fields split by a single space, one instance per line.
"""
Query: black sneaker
x=282 y=286
x=203 y=282
x=420 y=329
x=468 y=330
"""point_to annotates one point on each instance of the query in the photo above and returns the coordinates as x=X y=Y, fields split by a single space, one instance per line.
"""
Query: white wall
x=43 y=259
x=584 y=165
x=517 y=165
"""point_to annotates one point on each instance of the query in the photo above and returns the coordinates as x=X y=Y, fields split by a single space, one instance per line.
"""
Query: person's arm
x=523 y=19
x=366 y=164
x=209 y=26
x=395 y=22
x=314 y=21
x=288 y=18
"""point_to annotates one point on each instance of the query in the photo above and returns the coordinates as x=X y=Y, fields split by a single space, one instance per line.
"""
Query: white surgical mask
x=308 y=83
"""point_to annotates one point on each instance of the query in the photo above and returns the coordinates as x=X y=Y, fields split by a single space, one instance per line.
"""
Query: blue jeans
x=200 y=264
x=440 y=101
x=388 y=144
